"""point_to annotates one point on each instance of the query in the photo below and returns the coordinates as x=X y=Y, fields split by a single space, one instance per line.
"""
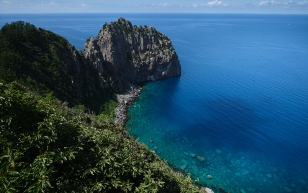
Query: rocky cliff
x=125 y=54
x=120 y=55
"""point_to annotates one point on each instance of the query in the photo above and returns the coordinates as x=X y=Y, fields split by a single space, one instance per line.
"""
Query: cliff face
x=124 y=54
x=84 y=76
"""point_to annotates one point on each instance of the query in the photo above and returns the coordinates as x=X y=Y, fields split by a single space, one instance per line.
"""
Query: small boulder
x=207 y=190
x=201 y=159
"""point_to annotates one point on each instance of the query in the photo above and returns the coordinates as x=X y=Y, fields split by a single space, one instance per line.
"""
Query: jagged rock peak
x=124 y=54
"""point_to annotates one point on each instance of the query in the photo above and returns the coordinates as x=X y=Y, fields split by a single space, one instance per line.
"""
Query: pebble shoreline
x=125 y=100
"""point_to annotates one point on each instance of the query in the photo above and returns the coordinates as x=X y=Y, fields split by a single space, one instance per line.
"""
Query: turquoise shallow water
x=237 y=118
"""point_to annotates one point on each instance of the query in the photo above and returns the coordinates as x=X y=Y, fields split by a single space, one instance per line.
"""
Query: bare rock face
x=125 y=54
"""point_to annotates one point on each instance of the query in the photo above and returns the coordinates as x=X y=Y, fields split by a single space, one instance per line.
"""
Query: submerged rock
x=302 y=181
x=183 y=167
x=200 y=158
x=287 y=189
x=245 y=172
x=195 y=169
x=242 y=191
x=218 y=151
x=184 y=164
x=192 y=155
x=269 y=175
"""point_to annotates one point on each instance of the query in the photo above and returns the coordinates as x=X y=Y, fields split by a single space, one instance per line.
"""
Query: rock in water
x=131 y=54
x=207 y=190
x=200 y=158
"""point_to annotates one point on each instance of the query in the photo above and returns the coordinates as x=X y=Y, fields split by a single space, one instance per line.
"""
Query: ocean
x=237 y=117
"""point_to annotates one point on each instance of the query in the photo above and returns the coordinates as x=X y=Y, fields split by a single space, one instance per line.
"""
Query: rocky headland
x=126 y=55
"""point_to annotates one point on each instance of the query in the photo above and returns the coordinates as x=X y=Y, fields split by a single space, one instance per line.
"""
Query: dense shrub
x=46 y=62
x=47 y=147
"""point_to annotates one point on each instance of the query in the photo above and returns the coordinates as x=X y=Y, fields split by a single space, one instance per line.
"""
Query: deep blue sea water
x=237 y=118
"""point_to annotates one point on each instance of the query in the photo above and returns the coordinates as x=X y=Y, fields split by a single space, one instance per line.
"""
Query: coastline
x=126 y=99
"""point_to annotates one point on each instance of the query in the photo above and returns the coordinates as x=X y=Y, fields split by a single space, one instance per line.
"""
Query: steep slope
x=46 y=62
x=47 y=147
x=131 y=54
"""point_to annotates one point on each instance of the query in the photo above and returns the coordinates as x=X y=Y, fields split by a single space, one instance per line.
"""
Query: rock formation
x=121 y=55
x=125 y=54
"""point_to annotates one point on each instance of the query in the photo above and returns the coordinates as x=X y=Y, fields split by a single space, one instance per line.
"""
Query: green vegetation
x=45 y=62
x=80 y=107
x=47 y=146
x=107 y=110
x=37 y=57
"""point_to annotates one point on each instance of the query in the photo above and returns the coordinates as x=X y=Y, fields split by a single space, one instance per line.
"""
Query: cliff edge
x=125 y=54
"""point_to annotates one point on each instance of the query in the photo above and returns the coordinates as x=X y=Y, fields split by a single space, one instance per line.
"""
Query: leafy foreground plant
x=47 y=147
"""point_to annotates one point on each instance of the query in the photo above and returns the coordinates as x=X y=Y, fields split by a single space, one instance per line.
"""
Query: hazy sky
x=155 y=6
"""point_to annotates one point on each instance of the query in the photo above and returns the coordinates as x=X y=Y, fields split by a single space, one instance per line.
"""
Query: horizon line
x=254 y=13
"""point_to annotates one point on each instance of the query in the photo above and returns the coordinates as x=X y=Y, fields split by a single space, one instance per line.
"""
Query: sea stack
x=125 y=54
